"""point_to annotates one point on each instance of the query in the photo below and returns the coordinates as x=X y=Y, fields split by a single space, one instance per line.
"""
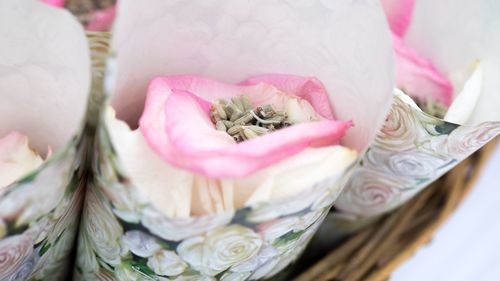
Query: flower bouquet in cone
x=231 y=129
x=44 y=81
x=446 y=107
x=218 y=134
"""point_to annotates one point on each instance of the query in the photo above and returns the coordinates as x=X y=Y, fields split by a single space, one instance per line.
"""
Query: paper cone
x=44 y=85
x=124 y=235
x=414 y=148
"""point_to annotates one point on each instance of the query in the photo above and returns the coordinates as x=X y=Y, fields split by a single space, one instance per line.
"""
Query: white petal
x=465 y=102
x=346 y=44
x=44 y=72
x=168 y=188
x=300 y=172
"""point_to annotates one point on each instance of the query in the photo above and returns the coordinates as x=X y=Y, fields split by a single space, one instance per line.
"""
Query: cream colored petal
x=16 y=158
x=44 y=72
x=346 y=44
x=168 y=188
x=465 y=102
x=300 y=172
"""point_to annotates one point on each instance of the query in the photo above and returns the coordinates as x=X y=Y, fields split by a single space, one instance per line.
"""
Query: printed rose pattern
x=39 y=217
x=412 y=150
x=123 y=237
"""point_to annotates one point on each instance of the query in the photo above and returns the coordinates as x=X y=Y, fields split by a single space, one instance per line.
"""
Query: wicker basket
x=373 y=253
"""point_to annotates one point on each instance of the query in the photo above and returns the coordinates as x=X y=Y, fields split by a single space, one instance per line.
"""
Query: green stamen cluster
x=242 y=121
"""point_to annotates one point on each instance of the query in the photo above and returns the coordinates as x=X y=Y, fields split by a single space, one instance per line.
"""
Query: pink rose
x=176 y=123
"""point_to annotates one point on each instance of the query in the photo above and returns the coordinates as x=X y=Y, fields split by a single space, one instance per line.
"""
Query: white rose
x=235 y=276
x=411 y=164
x=101 y=228
x=166 y=263
x=290 y=255
x=316 y=197
x=401 y=129
x=126 y=272
x=220 y=249
x=464 y=140
x=416 y=165
x=140 y=243
x=181 y=228
x=264 y=259
x=14 y=252
x=370 y=192
x=127 y=200
x=277 y=228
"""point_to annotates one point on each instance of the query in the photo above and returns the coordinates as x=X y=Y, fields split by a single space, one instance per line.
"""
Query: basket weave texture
x=374 y=252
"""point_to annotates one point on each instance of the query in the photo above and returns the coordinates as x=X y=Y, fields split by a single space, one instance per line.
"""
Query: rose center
x=241 y=120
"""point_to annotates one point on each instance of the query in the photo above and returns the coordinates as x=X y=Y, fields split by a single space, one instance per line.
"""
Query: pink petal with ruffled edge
x=399 y=14
x=102 y=20
x=310 y=89
x=55 y=3
x=418 y=77
x=177 y=126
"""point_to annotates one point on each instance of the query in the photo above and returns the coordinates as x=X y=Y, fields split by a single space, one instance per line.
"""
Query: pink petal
x=194 y=144
x=10 y=142
x=55 y=3
x=418 y=77
x=308 y=88
x=399 y=14
x=102 y=20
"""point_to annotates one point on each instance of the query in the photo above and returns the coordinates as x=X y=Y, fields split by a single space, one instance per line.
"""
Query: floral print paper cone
x=414 y=148
x=44 y=86
x=140 y=220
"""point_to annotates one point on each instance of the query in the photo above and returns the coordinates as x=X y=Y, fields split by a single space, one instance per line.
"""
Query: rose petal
x=16 y=158
x=55 y=3
x=308 y=88
x=174 y=120
x=345 y=44
x=168 y=188
x=298 y=173
x=101 y=20
x=418 y=77
x=399 y=13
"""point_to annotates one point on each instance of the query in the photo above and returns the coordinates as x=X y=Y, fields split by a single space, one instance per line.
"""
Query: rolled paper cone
x=413 y=148
x=44 y=85
x=124 y=235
